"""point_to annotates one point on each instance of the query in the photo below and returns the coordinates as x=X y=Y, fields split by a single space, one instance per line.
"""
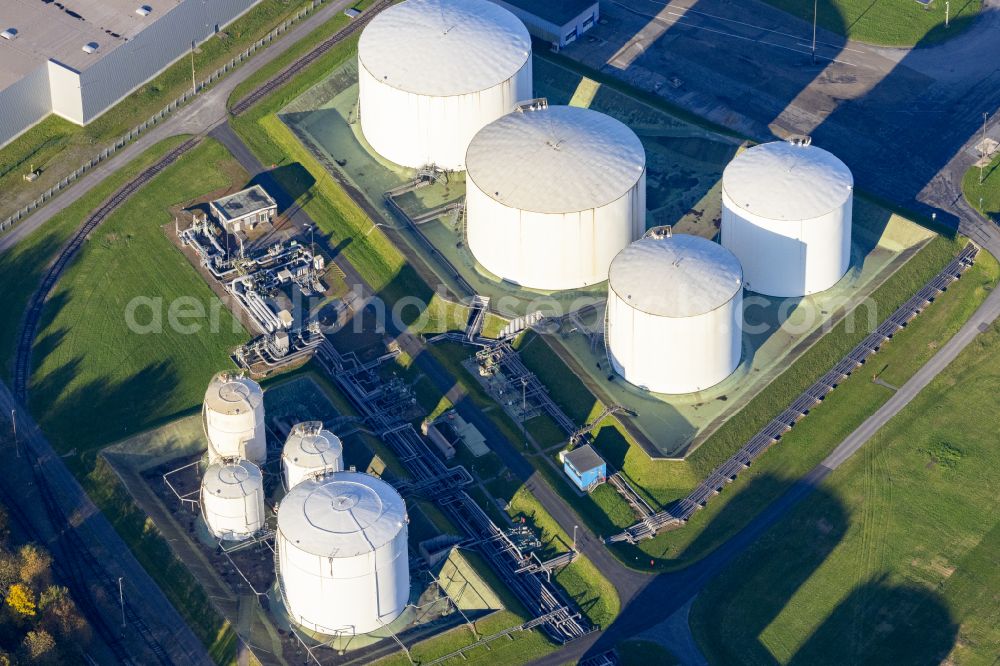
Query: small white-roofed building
x=432 y=73
x=310 y=451
x=553 y=193
x=786 y=214
x=343 y=566
x=244 y=210
x=675 y=313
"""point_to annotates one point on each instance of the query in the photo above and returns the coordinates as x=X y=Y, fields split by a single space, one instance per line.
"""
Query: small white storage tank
x=343 y=566
x=310 y=451
x=431 y=73
x=786 y=213
x=233 y=415
x=675 y=313
x=232 y=499
x=553 y=193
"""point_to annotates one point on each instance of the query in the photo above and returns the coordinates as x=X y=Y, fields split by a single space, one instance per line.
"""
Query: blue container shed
x=585 y=467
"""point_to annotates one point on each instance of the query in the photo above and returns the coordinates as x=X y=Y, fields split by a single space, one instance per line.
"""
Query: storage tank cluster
x=675 y=302
x=341 y=544
x=232 y=488
x=553 y=193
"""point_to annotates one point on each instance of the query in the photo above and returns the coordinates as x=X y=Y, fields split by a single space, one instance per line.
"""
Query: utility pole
x=575 y=527
x=982 y=150
x=947 y=12
x=194 y=85
x=524 y=408
x=121 y=600
x=815 y=16
x=13 y=412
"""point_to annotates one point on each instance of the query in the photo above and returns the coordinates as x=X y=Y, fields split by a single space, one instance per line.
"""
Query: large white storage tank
x=553 y=193
x=310 y=451
x=233 y=415
x=232 y=499
x=786 y=213
x=675 y=313
x=431 y=73
x=343 y=566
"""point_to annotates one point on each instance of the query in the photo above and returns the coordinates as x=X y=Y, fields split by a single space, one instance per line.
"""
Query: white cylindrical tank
x=233 y=415
x=786 y=213
x=675 y=313
x=232 y=499
x=553 y=194
x=343 y=566
x=310 y=451
x=431 y=73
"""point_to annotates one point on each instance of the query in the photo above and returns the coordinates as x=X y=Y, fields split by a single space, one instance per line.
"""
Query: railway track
x=287 y=74
x=29 y=324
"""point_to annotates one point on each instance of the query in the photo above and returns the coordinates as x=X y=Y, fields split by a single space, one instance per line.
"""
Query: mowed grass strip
x=887 y=22
x=24 y=264
x=98 y=376
x=895 y=558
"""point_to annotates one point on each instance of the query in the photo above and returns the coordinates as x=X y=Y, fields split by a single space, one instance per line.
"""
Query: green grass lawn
x=985 y=196
x=895 y=559
x=58 y=146
x=88 y=359
x=24 y=264
x=887 y=22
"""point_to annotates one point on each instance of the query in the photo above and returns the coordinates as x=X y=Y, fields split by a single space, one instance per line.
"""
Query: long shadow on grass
x=102 y=410
x=880 y=623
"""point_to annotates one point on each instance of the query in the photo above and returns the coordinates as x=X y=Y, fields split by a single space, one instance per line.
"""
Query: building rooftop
x=244 y=202
x=44 y=29
x=584 y=458
x=558 y=12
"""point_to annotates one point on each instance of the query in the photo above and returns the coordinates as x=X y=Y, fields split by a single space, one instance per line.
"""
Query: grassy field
x=896 y=557
x=23 y=265
x=887 y=22
x=58 y=146
x=985 y=196
x=89 y=359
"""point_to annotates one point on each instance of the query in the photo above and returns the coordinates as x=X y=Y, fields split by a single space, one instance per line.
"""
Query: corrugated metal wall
x=152 y=50
x=24 y=104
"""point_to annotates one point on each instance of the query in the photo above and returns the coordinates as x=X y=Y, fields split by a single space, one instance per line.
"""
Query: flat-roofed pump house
x=432 y=73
